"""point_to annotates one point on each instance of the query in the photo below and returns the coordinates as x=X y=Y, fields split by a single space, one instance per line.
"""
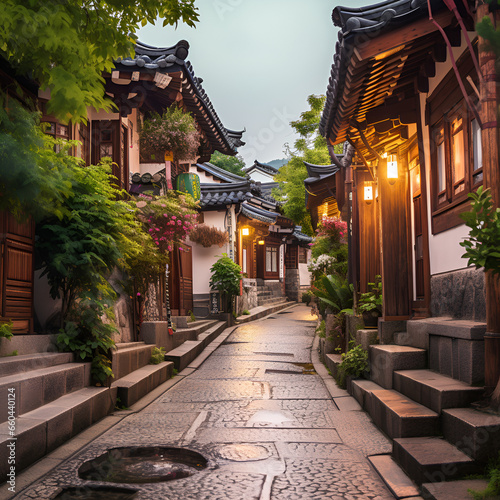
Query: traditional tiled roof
x=259 y=214
x=320 y=172
x=220 y=195
x=269 y=169
x=303 y=238
x=172 y=61
x=365 y=72
x=220 y=173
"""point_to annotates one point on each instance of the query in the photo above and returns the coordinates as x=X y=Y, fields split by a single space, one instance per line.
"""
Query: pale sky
x=259 y=60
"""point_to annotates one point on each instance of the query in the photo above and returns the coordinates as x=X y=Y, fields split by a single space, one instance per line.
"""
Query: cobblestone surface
x=267 y=430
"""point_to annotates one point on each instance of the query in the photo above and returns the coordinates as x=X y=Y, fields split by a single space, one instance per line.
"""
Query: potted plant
x=225 y=278
x=370 y=303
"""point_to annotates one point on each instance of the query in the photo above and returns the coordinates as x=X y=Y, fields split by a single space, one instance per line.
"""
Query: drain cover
x=95 y=493
x=143 y=465
x=243 y=452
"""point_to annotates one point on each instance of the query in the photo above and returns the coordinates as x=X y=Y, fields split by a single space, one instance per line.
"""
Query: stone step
x=432 y=459
x=399 y=416
x=40 y=431
x=434 y=390
x=474 y=432
x=332 y=362
x=212 y=333
x=453 y=490
x=400 y=485
x=128 y=359
x=183 y=355
x=128 y=345
x=362 y=390
x=140 y=382
x=386 y=359
x=17 y=364
x=36 y=388
x=262 y=311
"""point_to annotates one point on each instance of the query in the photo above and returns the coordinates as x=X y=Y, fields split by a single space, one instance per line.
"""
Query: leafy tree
x=310 y=147
x=226 y=276
x=67 y=45
x=233 y=164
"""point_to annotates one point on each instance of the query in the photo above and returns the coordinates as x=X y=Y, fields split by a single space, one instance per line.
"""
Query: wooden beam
x=429 y=68
x=422 y=84
x=393 y=112
x=401 y=36
x=439 y=52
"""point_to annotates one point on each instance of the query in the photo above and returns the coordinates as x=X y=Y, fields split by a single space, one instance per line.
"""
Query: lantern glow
x=245 y=231
x=368 y=192
x=392 y=168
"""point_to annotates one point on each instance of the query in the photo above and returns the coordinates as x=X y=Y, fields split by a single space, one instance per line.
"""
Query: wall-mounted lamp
x=261 y=242
x=392 y=169
x=368 y=192
x=245 y=231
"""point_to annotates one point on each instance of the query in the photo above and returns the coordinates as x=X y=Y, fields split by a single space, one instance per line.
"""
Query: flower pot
x=370 y=318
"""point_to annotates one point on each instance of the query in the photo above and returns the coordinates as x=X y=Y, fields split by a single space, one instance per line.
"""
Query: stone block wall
x=459 y=294
x=248 y=299
x=292 y=285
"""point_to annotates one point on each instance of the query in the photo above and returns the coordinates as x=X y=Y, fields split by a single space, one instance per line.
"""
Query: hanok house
x=259 y=239
x=152 y=81
x=413 y=91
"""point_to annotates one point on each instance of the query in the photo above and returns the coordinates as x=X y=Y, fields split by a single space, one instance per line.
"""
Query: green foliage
x=174 y=372
x=13 y=353
x=321 y=329
x=372 y=300
x=354 y=363
x=245 y=312
x=6 y=330
x=493 y=488
x=226 y=276
x=67 y=46
x=483 y=245
x=310 y=147
x=119 y=405
x=233 y=164
x=192 y=317
x=335 y=293
x=174 y=131
x=157 y=356
x=34 y=179
x=307 y=297
x=489 y=32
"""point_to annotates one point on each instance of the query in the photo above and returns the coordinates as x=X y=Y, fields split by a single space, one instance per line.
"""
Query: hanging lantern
x=245 y=231
x=392 y=168
x=368 y=192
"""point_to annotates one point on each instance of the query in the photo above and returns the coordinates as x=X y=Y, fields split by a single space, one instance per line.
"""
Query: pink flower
x=169 y=248
x=138 y=294
x=174 y=217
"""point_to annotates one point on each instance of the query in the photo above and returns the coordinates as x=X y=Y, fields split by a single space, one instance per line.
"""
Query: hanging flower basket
x=174 y=131
x=208 y=236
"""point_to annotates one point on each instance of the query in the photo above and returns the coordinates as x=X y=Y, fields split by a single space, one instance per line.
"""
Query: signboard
x=282 y=262
x=189 y=183
x=169 y=156
x=215 y=303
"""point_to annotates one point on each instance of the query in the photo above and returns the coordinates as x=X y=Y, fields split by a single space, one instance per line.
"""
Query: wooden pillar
x=394 y=239
x=491 y=168
x=368 y=233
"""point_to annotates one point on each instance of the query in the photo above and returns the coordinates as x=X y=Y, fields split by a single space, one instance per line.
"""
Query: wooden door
x=16 y=272
x=181 y=281
x=418 y=251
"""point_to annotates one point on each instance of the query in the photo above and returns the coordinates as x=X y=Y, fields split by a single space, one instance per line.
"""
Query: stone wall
x=459 y=294
x=292 y=285
x=248 y=299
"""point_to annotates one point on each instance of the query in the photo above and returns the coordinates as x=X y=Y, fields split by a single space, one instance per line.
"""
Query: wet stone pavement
x=267 y=426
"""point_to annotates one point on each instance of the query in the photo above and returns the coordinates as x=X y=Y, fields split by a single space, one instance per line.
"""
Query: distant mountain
x=277 y=163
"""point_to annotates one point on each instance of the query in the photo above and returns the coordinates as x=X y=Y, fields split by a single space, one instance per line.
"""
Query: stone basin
x=143 y=465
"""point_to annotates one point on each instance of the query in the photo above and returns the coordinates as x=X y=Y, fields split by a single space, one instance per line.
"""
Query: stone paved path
x=268 y=430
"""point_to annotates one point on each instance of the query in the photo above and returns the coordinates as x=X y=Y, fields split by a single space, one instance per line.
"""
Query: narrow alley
x=261 y=416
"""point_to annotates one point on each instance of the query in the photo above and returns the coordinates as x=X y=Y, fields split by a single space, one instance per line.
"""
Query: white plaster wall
x=204 y=258
x=149 y=168
x=444 y=249
x=204 y=178
x=304 y=275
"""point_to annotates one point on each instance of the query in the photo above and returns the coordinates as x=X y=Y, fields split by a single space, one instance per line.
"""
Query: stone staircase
x=51 y=401
x=269 y=294
x=421 y=396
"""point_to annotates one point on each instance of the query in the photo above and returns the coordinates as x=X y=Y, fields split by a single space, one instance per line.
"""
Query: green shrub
x=157 y=356
x=493 y=488
x=372 y=300
x=245 y=312
x=6 y=330
x=321 y=329
x=335 y=294
x=307 y=297
x=192 y=317
x=354 y=363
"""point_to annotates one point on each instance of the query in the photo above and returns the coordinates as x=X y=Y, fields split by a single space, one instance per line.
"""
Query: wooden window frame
x=442 y=108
